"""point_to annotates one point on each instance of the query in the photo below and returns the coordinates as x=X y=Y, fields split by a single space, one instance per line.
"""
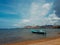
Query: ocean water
x=18 y=35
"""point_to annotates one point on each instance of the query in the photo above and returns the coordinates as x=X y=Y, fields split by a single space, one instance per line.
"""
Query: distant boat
x=38 y=31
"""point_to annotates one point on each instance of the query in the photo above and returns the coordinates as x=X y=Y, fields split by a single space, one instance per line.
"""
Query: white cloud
x=53 y=19
x=39 y=10
x=25 y=20
x=36 y=20
x=34 y=8
x=37 y=15
x=47 y=6
x=53 y=16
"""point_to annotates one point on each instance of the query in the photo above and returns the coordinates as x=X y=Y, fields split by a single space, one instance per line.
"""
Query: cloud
x=47 y=6
x=37 y=13
x=25 y=20
x=53 y=19
x=57 y=7
x=39 y=10
x=53 y=16
x=34 y=14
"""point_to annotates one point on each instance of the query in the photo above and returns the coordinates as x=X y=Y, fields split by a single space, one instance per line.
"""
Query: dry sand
x=46 y=41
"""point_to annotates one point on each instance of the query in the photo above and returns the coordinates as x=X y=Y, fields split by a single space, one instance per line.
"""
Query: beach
x=46 y=41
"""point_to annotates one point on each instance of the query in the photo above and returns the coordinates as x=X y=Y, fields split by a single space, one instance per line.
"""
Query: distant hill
x=45 y=26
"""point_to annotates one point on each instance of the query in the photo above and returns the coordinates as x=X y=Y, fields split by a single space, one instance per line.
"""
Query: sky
x=20 y=13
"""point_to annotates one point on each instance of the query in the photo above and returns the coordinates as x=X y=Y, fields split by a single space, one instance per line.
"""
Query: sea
x=19 y=35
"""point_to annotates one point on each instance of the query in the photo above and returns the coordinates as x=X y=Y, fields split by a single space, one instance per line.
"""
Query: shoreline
x=28 y=42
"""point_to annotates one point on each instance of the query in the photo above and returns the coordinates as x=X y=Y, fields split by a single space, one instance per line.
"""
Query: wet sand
x=46 y=41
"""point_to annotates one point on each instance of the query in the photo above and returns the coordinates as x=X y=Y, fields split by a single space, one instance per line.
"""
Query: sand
x=46 y=41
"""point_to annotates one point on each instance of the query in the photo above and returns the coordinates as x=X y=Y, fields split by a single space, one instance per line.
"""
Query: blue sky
x=20 y=13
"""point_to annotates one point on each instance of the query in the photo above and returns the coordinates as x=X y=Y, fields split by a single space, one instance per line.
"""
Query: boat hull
x=39 y=32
